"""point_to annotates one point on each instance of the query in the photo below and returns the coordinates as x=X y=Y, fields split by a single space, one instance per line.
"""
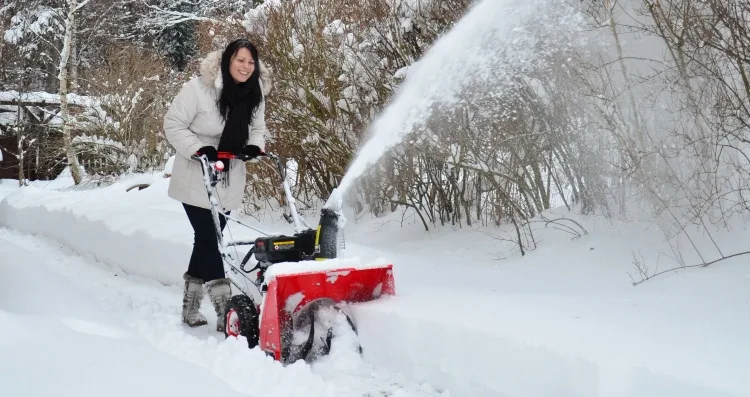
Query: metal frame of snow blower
x=326 y=236
x=275 y=320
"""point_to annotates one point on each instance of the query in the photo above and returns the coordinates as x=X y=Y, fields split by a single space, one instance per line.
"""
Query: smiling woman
x=220 y=111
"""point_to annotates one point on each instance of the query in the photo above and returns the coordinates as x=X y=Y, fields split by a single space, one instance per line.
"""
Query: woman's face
x=242 y=65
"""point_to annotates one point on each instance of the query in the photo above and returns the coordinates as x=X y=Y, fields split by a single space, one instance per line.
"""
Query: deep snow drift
x=55 y=342
x=471 y=316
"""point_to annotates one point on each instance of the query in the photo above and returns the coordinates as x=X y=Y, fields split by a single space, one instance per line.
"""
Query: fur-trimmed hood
x=211 y=73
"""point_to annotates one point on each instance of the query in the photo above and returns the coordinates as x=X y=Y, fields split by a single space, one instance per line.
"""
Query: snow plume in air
x=495 y=42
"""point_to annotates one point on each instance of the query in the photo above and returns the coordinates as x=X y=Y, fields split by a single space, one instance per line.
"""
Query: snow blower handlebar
x=211 y=169
x=218 y=165
x=243 y=157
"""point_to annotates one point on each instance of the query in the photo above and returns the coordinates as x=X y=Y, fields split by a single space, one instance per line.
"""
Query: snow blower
x=294 y=294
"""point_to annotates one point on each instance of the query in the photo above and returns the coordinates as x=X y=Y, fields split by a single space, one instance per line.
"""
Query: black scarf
x=237 y=122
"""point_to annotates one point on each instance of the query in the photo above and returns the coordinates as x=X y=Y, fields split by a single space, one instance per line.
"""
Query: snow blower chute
x=300 y=287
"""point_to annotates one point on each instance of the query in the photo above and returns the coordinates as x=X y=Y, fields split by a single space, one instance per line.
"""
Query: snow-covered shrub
x=335 y=67
x=135 y=89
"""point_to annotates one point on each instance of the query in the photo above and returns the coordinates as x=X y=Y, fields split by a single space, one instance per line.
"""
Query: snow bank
x=120 y=235
x=140 y=232
x=54 y=341
x=564 y=320
x=540 y=346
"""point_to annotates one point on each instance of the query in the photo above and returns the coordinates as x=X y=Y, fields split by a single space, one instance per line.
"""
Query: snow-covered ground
x=56 y=341
x=103 y=310
x=471 y=316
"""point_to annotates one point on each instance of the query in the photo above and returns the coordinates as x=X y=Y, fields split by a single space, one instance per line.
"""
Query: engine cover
x=295 y=248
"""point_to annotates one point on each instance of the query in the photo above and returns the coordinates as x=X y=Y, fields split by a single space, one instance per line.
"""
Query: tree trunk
x=75 y=169
x=3 y=57
x=21 y=176
x=636 y=130
x=19 y=134
x=73 y=64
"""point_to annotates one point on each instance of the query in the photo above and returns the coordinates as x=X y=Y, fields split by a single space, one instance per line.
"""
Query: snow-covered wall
x=468 y=352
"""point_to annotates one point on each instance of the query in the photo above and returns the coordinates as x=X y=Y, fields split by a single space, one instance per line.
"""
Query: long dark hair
x=237 y=102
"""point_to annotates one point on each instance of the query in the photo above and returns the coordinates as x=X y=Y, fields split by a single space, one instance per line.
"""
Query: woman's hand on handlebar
x=250 y=152
x=247 y=153
x=208 y=151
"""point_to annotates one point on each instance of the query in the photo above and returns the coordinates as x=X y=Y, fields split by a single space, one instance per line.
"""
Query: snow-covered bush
x=335 y=67
x=505 y=143
x=135 y=89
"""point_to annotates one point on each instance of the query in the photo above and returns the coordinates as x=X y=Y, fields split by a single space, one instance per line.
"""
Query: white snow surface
x=101 y=269
x=56 y=342
x=96 y=326
x=330 y=265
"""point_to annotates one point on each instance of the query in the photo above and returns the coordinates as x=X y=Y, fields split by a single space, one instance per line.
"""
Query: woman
x=222 y=110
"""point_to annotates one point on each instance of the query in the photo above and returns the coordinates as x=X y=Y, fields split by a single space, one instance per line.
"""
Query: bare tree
x=73 y=7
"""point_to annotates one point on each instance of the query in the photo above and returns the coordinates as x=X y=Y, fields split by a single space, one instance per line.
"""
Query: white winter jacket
x=193 y=121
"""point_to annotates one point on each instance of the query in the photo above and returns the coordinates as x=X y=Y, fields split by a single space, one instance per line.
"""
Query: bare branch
x=645 y=277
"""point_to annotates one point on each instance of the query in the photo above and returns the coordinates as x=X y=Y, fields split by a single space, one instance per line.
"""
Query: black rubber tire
x=329 y=336
x=248 y=316
x=305 y=351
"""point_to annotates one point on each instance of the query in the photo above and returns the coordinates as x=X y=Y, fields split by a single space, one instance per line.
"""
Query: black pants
x=205 y=261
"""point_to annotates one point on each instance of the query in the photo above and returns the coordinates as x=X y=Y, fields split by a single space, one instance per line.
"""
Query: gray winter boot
x=191 y=302
x=219 y=291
